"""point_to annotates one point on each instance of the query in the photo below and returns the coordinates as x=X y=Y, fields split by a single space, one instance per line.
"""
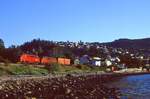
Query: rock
x=39 y=89
x=6 y=95
x=118 y=97
x=1 y=87
x=72 y=94
x=33 y=98
x=76 y=97
x=29 y=92
x=68 y=91
x=54 y=88
x=67 y=86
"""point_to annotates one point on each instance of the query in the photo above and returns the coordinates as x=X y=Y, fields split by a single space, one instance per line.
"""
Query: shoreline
x=59 y=75
x=66 y=86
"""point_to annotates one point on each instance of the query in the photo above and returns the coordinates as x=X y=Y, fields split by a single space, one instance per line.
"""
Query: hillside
x=72 y=50
x=130 y=43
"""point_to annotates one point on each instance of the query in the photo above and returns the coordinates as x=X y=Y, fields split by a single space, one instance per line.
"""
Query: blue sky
x=73 y=20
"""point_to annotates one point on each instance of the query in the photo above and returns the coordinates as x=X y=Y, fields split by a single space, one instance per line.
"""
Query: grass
x=99 y=68
x=18 y=69
x=21 y=69
x=28 y=70
x=3 y=72
x=57 y=68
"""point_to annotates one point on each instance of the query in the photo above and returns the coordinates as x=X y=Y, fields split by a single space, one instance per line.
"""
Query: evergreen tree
x=1 y=44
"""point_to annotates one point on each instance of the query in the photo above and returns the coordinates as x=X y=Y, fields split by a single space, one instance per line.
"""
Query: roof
x=96 y=58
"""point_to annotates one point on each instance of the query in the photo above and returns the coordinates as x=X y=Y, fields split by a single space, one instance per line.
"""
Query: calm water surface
x=133 y=87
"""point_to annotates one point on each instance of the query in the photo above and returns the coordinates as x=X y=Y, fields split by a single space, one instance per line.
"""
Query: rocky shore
x=65 y=87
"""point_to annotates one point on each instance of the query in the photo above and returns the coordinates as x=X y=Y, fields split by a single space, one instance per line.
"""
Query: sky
x=73 y=20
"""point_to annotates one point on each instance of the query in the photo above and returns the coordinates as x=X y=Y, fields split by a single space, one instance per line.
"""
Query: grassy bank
x=22 y=69
x=58 y=69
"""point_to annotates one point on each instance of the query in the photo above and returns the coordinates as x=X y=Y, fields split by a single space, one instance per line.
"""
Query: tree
x=2 y=48
x=12 y=53
x=1 y=44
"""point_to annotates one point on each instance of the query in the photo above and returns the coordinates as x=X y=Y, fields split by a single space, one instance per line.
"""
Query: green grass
x=18 y=69
x=56 y=68
x=28 y=70
x=3 y=72
x=99 y=69
x=21 y=69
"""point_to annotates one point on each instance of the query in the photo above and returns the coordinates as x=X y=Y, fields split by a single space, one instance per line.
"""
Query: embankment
x=66 y=87
x=70 y=86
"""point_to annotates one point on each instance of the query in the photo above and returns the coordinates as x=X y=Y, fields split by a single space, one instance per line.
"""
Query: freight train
x=34 y=59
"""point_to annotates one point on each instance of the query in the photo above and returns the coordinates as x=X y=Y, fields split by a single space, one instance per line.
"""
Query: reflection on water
x=133 y=87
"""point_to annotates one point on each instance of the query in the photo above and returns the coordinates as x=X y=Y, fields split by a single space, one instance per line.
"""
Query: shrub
x=1 y=59
x=79 y=66
x=84 y=67
x=54 y=67
x=6 y=62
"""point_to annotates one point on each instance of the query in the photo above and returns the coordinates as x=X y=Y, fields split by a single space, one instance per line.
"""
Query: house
x=76 y=61
x=105 y=49
x=115 y=59
x=108 y=62
x=146 y=62
x=85 y=59
x=96 y=61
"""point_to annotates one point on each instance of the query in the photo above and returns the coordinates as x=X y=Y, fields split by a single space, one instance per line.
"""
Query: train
x=34 y=59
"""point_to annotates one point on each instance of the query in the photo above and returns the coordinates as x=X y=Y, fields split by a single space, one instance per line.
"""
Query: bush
x=6 y=62
x=79 y=66
x=1 y=59
x=54 y=67
x=83 y=67
x=4 y=72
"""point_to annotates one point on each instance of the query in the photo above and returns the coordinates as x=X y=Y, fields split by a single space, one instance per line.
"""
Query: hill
x=130 y=43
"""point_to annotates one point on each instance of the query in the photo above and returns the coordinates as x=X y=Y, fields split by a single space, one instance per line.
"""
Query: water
x=133 y=87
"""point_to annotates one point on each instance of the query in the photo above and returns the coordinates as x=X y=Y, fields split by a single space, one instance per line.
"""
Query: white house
x=76 y=61
x=108 y=62
x=96 y=61
x=118 y=59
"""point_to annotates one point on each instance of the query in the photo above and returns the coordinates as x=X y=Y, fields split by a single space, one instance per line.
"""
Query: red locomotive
x=27 y=58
